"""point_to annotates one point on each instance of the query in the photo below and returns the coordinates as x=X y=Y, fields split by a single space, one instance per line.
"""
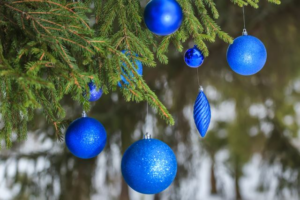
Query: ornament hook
x=245 y=32
x=84 y=114
x=201 y=88
x=147 y=136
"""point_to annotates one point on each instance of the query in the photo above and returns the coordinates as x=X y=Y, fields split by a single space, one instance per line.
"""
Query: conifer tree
x=51 y=48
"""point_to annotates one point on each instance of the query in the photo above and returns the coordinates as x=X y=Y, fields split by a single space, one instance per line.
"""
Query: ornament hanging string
x=147 y=135
x=147 y=110
x=198 y=76
x=244 y=19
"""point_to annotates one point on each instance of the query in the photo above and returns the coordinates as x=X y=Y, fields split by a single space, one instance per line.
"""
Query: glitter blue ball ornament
x=85 y=137
x=149 y=166
x=202 y=114
x=193 y=57
x=163 y=17
x=94 y=93
x=136 y=64
x=247 y=55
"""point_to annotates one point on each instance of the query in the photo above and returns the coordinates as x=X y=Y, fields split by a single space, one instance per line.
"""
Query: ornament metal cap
x=147 y=136
x=201 y=88
x=245 y=32
x=84 y=114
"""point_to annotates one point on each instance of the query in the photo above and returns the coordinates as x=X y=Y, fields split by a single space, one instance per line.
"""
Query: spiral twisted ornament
x=202 y=113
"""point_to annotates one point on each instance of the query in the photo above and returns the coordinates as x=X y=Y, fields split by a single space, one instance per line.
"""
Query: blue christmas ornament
x=149 y=166
x=193 y=57
x=163 y=17
x=94 y=93
x=85 y=137
x=247 y=55
x=138 y=67
x=202 y=113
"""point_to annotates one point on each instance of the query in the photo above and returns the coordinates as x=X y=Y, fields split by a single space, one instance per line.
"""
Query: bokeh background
x=252 y=149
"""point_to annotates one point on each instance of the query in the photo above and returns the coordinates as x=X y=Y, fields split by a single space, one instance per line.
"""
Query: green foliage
x=48 y=49
x=253 y=3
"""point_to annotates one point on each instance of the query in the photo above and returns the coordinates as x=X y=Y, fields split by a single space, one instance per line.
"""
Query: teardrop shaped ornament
x=202 y=113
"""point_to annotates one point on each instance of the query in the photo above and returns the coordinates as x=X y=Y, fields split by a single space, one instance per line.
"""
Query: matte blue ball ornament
x=85 y=137
x=193 y=57
x=149 y=166
x=94 y=93
x=136 y=64
x=163 y=17
x=202 y=114
x=247 y=55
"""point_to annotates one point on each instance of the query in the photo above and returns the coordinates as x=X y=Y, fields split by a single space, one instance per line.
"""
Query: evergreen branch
x=48 y=50
x=275 y=1
x=162 y=110
x=86 y=48
x=211 y=4
x=65 y=56
x=51 y=13
x=49 y=114
x=53 y=3
x=29 y=17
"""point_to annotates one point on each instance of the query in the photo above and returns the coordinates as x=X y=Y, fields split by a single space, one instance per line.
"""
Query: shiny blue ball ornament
x=163 y=17
x=85 y=137
x=94 y=93
x=202 y=114
x=136 y=64
x=193 y=57
x=149 y=166
x=247 y=55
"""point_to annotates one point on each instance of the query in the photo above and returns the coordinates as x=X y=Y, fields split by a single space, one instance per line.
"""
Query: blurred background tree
x=251 y=150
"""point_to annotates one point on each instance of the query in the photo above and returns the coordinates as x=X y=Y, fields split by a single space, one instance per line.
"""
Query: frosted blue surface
x=149 y=166
x=247 y=55
x=85 y=137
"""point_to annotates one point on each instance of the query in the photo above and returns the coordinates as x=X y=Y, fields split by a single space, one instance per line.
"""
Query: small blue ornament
x=94 y=93
x=163 y=17
x=193 y=57
x=139 y=68
x=85 y=137
x=202 y=113
x=247 y=55
x=149 y=166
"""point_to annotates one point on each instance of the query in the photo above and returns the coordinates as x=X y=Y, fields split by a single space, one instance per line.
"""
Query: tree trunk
x=126 y=142
x=156 y=197
x=238 y=195
x=124 y=191
x=76 y=184
x=213 y=181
